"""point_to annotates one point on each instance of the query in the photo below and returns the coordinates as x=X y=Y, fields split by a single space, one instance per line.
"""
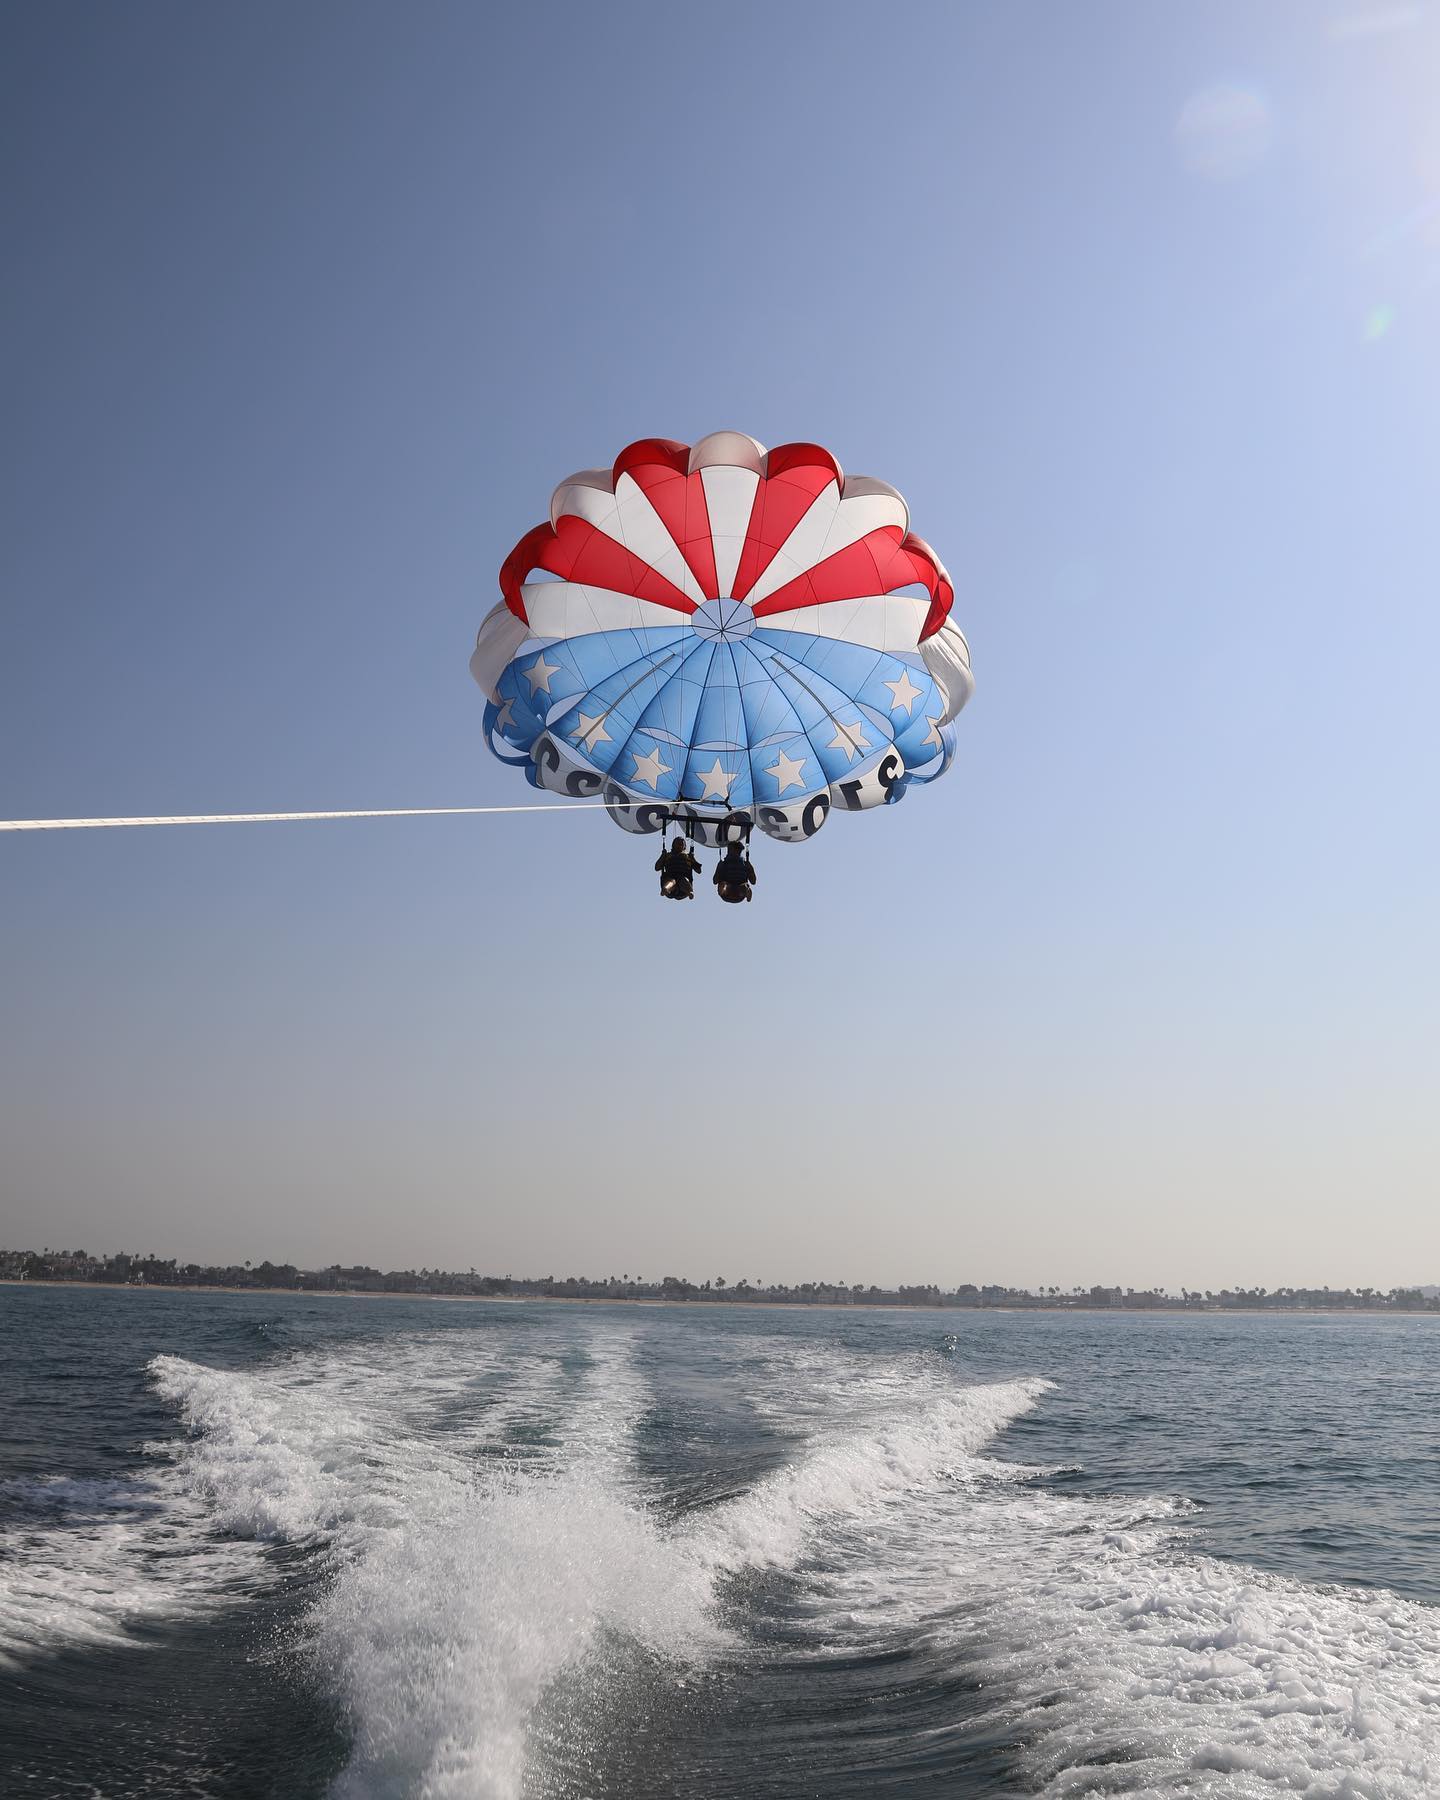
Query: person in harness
x=678 y=868
x=735 y=875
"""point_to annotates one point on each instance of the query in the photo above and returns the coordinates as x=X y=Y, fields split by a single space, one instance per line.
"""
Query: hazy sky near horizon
x=307 y=310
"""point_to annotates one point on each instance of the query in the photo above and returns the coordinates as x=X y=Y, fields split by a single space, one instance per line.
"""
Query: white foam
x=461 y=1587
x=84 y=1562
x=455 y=1619
x=479 y=1508
x=862 y=1465
x=1212 y=1678
x=444 y=1636
x=1119 y=1661
x=307 y=1450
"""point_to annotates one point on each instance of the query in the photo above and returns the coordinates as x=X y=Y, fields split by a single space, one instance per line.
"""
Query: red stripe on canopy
x=781 y=501
x=795 y=474
x=878 y=563
x=576 y=550
x=679 y=500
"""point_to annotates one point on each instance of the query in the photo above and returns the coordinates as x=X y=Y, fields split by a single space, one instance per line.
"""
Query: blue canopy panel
x=780 y=725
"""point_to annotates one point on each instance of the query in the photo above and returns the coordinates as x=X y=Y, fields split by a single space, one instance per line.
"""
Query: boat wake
x=496 y=1565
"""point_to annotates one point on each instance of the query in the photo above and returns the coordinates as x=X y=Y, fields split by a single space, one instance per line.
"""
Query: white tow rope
x=396 y=812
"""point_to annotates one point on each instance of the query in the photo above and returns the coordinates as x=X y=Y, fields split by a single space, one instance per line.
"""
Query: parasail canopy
x=722 y=632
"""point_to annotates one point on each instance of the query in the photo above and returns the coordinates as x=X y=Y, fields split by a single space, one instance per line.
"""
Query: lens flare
x=1378 y=322
x=1379 y=21
x=1223 y=132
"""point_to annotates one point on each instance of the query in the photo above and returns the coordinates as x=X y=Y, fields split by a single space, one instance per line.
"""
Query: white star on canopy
x=592 y=731
x=849 y=738
x=717 y=781
x=649 y=768
x=905 y=691
x=787 y=771
x=505 y=717
x=539 y=673
x=932 y=736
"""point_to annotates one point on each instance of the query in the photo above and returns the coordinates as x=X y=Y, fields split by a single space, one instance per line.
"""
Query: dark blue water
x=298 y=1547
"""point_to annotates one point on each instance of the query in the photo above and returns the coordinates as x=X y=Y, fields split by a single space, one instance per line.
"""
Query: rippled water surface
x=300 y=1547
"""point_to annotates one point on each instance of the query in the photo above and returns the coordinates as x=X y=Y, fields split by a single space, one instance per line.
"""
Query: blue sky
x=308 y=310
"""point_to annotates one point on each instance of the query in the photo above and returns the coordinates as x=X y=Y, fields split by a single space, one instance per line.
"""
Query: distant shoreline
x=843 y=1306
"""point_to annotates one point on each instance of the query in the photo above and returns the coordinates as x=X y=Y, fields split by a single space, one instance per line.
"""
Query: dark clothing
x=735 y=865
x=677 y=869
x=734 y=876
x=678 y=862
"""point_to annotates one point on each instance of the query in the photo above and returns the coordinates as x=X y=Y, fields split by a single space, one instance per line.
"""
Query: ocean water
x=300 y=1547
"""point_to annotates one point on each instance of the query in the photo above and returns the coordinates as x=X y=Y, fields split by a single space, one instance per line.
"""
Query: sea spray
x=462 y=1588
x=444 y=1637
